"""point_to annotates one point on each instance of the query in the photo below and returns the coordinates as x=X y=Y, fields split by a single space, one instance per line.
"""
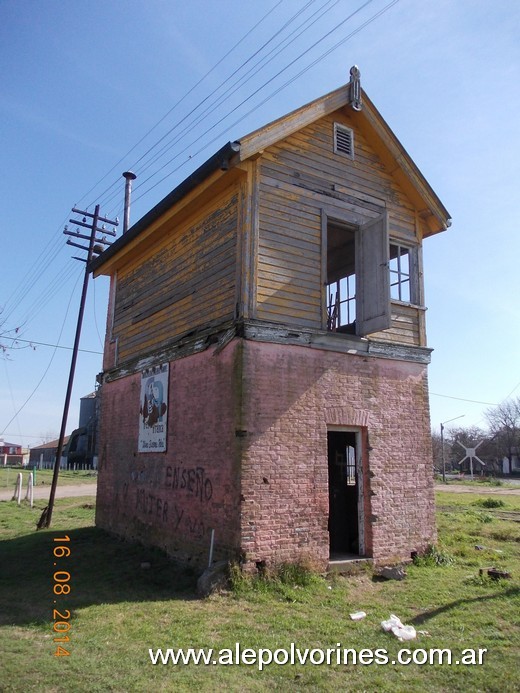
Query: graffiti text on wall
x=191 y=479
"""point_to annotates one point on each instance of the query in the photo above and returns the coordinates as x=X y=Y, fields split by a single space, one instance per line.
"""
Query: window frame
x=416 y=298
x=357 y=222
x=372 y=288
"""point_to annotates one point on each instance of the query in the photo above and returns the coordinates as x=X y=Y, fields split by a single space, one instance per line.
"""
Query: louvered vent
x=343 y=140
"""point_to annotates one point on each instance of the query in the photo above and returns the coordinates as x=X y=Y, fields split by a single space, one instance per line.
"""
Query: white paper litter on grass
x=402 y=632
x=358 y=615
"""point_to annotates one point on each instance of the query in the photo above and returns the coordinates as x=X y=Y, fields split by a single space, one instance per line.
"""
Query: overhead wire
x=34 y=273
x=31 y=342
x=208 y=97
x=239 y=83
x=50 y=361
x=257 y=105
x=50 y=253
x=177 y=103
x=462 y=399
x=47 y=259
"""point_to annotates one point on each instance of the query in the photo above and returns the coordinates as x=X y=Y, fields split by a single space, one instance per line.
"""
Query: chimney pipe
x=129 y=177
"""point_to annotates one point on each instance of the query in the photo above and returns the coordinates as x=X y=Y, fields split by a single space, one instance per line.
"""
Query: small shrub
x=295 y=574
x=434 y=557
x=281 y=579
x=491 y=481
x=489 y=503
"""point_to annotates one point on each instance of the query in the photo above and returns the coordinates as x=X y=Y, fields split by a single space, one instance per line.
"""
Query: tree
x=504 y=426
x=470 y=437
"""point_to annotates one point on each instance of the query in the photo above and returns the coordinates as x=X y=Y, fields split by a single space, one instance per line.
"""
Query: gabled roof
x=369 y=120
x=50 y=445
x=366 y=117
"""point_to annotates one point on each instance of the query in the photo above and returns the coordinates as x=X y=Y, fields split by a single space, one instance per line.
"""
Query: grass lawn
x=118 y=610
x=44 y=477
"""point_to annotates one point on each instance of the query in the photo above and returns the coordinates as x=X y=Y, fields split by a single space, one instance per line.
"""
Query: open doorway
x=344 y=485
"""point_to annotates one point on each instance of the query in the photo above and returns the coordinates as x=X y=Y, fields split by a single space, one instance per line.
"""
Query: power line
x=35 y=271
x=257 y=105
x=47 y=257
x=50 y=361
x=461 y=399
x=254 y=93
x=304 y=26
x=189 y=126
x=177 y=104
x=55 y=346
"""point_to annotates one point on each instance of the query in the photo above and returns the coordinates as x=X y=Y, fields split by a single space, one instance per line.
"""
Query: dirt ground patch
x=478 y=488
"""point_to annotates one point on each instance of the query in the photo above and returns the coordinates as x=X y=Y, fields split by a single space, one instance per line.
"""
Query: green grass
x=119 y=610
x=483 y=481
x=8 y=477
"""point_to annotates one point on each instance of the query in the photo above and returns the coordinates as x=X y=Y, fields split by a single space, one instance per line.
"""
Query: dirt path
x=43 y=491
x=478 y=488
x=74 y=491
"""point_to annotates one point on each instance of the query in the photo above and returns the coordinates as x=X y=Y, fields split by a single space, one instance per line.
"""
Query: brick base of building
x=248 y=458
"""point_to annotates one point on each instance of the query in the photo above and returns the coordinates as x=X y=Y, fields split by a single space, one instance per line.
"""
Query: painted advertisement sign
x=153 y=412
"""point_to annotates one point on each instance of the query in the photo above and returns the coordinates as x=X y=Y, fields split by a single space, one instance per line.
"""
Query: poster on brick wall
x=153 y=410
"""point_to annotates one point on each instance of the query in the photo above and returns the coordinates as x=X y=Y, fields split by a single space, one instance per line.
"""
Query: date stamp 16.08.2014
x=61 y=588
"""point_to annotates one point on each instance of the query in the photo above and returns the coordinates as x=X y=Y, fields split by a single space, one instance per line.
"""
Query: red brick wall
x=174 y=499
x=250 y=460
x=292 y=395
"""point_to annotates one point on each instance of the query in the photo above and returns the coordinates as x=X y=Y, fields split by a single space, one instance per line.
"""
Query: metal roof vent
x=343 y=140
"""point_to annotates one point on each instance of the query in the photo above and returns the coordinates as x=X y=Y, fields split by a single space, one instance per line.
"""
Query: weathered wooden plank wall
x=300 y=176
x=188 y=280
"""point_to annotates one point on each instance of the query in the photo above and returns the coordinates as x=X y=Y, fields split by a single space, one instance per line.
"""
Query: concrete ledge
x=349 y=565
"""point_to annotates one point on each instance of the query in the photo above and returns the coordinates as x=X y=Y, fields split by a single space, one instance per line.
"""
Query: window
x=364 y=272
x=399 y=267
x=357 y=280
x=343 y=140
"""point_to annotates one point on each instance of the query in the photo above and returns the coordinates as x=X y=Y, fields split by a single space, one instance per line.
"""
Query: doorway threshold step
x=348 y=564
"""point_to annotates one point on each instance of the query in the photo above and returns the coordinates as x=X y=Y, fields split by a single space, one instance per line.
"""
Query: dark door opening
x=343 y=493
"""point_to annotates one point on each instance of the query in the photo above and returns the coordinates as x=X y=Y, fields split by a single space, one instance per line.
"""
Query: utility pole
x=95 y=247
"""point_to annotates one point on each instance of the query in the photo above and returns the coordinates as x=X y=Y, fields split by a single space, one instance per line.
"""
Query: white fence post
x=18 y=488
x=30 y=493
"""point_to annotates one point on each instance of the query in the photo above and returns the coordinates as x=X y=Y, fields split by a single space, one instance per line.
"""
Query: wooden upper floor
x=315 y=221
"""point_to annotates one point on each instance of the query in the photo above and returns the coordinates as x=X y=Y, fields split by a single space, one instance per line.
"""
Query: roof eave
x=219 y=161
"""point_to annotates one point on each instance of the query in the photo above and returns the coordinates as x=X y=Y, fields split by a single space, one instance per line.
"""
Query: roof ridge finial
x=355 y=88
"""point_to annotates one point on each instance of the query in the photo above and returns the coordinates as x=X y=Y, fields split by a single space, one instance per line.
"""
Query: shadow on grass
x=103 y=570
x=421 y=618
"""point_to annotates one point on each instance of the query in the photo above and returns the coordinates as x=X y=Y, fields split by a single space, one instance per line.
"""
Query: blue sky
x=84 y=82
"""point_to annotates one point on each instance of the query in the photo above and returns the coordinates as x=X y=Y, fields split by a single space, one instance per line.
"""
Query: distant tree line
x=499 y=440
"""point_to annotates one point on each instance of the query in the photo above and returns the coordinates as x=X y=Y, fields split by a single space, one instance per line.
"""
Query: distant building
x=9 y=448
x=81 y=451
x=43 y=456
x=12 y=454
x=80 y=448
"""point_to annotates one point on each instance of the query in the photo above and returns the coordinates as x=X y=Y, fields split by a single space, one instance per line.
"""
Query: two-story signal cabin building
x=265 y=367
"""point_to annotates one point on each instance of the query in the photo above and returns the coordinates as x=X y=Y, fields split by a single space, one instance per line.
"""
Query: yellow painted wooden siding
x=299 y=176
x=406 y=327
x=187 y=281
